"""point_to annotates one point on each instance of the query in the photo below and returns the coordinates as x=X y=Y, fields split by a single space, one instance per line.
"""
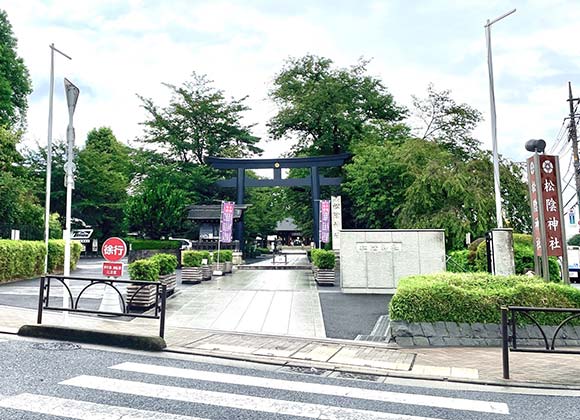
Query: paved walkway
x=276 y=302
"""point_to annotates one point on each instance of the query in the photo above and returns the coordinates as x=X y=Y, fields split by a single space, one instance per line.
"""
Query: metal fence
x=44 y=302
x=509 y=318
x=27 y=232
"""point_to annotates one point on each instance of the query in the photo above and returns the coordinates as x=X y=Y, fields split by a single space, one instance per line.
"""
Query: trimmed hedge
x=323 y=259
x=167 y=263
x=459 y=261
x=56 y=254
x=144 y=270
x=477 y=297
x=25 y=259
x=191 y=258
x=140 y=244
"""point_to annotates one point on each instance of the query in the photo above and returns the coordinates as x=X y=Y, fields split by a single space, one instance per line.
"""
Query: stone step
x=381 y=326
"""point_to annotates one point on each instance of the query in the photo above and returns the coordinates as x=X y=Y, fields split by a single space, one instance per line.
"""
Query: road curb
x=131 y=341
x=333 y=367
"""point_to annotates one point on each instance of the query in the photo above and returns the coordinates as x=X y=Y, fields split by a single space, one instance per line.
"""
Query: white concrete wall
x=373 y=261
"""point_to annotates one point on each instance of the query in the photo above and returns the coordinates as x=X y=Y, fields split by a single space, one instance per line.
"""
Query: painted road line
x=339 y=391
x=82 y=410
x=236 y=401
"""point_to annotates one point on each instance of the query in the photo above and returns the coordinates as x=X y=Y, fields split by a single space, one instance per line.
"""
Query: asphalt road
x=48 y=380
x=346 y=316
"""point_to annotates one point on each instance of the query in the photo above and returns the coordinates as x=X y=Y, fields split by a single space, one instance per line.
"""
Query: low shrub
x=21 y=259
x=323 y=259
x=263 y=250
x=144 y=270
x=191 y=258
x=167 y=263
x=25 y=259
x=56 y=255
x=225 y=255
x=140 y=244
x=458 y=262
x=523 y=257
x=477 y=297
x=206 y=255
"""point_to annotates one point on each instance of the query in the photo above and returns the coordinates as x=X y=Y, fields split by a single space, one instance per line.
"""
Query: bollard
x=505 y=343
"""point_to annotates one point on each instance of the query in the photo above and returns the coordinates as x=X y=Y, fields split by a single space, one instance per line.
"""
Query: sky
x=121 y=48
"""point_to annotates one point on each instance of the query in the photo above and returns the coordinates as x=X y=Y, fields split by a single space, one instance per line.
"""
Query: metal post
x=573 y=137
x=40 y=300
x=241 y=186
x=505 y=343
x=565 y=267
x=162 y=315
x=315 y=184
x=493 y=120
x=514 y=329
x=49 y=155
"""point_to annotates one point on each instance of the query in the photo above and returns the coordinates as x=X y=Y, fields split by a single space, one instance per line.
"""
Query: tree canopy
x=199 y=122
x=15 y=84
x=326 y=108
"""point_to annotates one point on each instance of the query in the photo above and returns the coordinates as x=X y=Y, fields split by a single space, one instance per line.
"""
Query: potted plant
x=205 y=265
x=324 y=261
x=313 y=258
x=167 y=266
x=191 y=271
x=227 y=256
x=139 y=295
x=218 y=266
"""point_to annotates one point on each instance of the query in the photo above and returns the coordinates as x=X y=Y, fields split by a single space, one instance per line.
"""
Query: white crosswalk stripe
x=119 y=409
x=339 y=391
x=82 y=410
x=236 y=401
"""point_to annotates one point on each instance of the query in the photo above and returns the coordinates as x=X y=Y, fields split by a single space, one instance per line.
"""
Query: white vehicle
x=185 y=243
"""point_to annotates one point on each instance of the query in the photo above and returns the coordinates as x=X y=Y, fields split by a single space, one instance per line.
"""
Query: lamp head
x=536 y=146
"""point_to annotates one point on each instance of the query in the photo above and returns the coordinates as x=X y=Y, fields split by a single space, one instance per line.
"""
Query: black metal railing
x=44 y=302
x=509 y=317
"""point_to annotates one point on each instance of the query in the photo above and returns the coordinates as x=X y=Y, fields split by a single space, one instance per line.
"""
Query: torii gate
x=315 y=181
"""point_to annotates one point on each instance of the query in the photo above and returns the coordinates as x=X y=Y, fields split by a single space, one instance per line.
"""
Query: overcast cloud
x=121 y=48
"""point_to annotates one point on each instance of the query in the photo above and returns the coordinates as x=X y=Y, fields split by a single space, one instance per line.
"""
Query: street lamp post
x=49 y=154
x=72 y=94
x=493 y=119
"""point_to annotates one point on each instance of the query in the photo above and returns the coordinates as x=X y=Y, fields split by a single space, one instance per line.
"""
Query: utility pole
x=573 y=137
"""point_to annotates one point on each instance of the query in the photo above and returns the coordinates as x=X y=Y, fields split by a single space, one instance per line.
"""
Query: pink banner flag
x=325 y=221
x=227 y=221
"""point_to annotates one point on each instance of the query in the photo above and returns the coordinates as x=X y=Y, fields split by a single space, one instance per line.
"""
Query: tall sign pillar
x=547 y=216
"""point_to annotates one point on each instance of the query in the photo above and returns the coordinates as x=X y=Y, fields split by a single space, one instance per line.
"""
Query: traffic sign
x=114 y=249
x=112 y=269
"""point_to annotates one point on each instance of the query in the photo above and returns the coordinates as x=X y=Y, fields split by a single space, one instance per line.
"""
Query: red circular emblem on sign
x=114 y=249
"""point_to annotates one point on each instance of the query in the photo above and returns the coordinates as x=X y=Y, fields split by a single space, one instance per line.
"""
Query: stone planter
x=141 y=297
x=325 y=277
x=218 y=267
x=170 y=281
x=228 y=265
x=452 y=334
x=206 y=272
x=191 y=275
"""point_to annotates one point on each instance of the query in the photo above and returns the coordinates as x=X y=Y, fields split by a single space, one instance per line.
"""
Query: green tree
x=199 y=122
x=266 y=210
x=445 y=122
x=327 y=109
x=101 y=184
x=15 y=85
x=156 y=210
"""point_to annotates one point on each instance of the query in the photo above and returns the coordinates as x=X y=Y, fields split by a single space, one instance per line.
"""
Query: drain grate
x=56 y=346
x=359 y=376
x=305 y=370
